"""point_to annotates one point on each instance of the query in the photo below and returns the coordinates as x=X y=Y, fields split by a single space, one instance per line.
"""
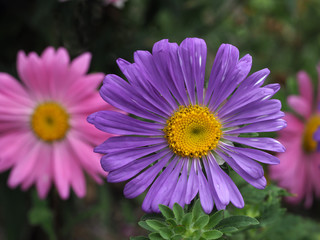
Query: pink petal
x=44 y=171
x=26 y=163
x=87 y=132
x=13 y=90
x=86 y=158
x=11 y=154
x=81 y=64
x=300 y=106
x=77 y=179
x=61 y=168
x=305 y=87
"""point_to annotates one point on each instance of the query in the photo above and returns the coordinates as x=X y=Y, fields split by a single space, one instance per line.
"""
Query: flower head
x=44 y=135
x=181 y=134
x=299 y=169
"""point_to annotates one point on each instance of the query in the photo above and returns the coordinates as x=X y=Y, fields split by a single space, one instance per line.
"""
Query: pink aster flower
x=44 y=136
x=299 y=168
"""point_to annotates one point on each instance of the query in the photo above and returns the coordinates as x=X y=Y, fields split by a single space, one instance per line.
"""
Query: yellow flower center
x=192 y=131
x=50 y=121
x=309 y=144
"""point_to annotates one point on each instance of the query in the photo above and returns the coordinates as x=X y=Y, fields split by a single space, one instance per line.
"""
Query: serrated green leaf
x=197 y=210
x=187 y=219
x=155 y=224
x=215 y=219
x=152 y=216
x=166 y=233
x=166 y=211
x=180 y=230
x=144 y=225
x=228 y=229
x=171 y=222
x=139 y=238
x=155 y=236
x=212 y=234
x=196 y=235
x=237 y=222
x=176 y=237
x=201 y=222
x=178 y=212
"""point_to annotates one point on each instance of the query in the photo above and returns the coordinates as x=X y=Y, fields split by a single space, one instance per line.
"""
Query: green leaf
x=215 y=219
x=155 y=224
x=41 y=215
x=197 y=210
x=180 y=230
x=171 y=222
x=155 y=236
x=237 y=222
x=178 y=212
x=144 y=225
x=139 y=238
x=166 y=211
x=166 y=233
x=228 y=229
x=201 y=222
x=212 y=234
x=187 y=219
x=176 y=237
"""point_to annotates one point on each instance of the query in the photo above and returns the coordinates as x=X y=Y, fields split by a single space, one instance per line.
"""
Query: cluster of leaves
x=267 y=207
x=177 y=224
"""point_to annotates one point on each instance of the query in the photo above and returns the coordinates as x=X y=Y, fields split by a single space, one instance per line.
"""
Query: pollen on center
x=193 y=131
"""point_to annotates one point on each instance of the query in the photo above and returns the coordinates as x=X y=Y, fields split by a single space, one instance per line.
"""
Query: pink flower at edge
x=44 y=135
x=299 y=168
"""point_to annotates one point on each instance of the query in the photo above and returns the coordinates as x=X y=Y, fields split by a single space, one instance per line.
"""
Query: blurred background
x=282 y=35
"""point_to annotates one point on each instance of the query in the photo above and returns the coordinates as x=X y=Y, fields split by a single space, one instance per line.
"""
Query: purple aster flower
x=180 y=134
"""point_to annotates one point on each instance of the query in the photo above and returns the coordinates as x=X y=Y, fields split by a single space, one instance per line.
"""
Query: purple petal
x=235 y=195
x=118 y=123
x=116 y=160
x=205 y=196
x=262 y=118
x=252 y=168
x=165 y=191
x=192 y=185
x=193 y=54
x=146 y=205
x=166 y=58
x=140 y=183
x=145 y=61
x=129 y=98
x=130 y=170
x=126 y=142
x=234 y=104
x=262 y=143
x=232 y=80
x=256 y=109
x=259 y=183
x=217 y=179
x=179 y=192
x=225 y=61
x=265 y=126
x=274 y=86
x=257 y=155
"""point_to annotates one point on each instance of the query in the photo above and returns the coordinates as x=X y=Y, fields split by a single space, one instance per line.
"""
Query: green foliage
x=41 y=215
x=275 y=223
x=178 y=224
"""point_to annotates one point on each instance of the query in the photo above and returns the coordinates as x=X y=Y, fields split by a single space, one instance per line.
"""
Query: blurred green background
x=282 y=35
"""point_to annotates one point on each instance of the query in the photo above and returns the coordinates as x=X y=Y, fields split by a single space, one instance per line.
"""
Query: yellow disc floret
x=193 y=131
x=309 y=144
x=50 y=121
